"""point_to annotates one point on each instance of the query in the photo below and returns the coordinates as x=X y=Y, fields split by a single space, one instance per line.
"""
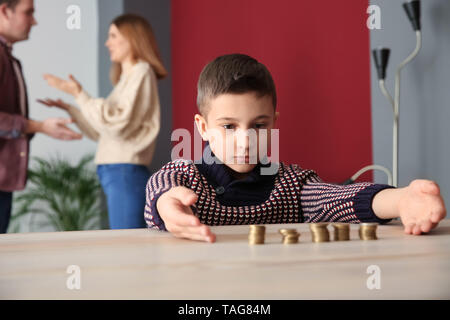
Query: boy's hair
x=10 y=3
x=234 y=73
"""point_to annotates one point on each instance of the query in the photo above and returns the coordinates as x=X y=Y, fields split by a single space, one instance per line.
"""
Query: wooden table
x=146 y=264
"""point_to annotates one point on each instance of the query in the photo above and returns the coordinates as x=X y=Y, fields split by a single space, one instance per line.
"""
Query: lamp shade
x=381 y=58
x=412 y=9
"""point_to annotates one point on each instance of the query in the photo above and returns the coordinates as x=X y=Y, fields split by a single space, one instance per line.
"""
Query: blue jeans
x=124 y=187
x=5 y=210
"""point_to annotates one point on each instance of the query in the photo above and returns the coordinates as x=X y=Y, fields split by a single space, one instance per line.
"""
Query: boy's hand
x=421 y=206
x=174 y=208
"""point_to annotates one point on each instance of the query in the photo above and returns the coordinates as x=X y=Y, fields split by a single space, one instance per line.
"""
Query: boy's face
x=233 y=128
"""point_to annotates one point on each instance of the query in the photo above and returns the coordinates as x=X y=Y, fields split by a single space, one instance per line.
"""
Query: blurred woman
x=126 y=123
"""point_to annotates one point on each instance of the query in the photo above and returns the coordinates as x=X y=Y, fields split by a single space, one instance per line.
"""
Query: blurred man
x=16 y=130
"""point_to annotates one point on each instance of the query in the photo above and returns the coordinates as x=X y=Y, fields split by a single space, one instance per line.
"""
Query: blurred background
x=333 y=117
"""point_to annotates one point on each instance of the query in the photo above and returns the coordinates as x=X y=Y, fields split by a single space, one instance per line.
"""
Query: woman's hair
x=143 y=44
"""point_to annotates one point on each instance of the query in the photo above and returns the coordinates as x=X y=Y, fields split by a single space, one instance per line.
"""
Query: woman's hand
x=54 y=103
x=71 y=86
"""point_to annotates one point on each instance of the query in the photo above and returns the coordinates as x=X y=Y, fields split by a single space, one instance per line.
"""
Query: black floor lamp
x=381 y=59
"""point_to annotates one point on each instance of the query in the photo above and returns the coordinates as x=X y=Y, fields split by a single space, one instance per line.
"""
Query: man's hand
x=71 y=86
x=55 y=103
x=174 y=208
x=421 y=206
x=55 y=128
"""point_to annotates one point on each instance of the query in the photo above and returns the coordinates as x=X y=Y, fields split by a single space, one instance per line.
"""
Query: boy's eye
x=228 y=126
x=260 y=125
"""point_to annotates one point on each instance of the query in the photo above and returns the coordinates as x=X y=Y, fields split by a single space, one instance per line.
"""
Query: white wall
x=107 y=11
x=425 y=98
x=53 y=48
x=157 y=12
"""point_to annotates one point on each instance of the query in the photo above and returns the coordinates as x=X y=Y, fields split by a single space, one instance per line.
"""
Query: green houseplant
x=68 y=197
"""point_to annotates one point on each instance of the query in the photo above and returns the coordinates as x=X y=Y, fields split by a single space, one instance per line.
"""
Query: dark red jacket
x=14 y=143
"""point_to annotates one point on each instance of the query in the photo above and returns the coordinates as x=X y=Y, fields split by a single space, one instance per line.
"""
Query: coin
x=289 y=236
x=256 y=234
x=287 y=231
x=368 y=231
x=319 y=232
x=341 y=231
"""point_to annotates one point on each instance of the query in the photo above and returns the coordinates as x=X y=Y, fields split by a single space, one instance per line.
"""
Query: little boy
x=236 y=94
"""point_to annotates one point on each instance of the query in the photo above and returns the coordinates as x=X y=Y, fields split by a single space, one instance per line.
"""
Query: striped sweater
x=292 y=195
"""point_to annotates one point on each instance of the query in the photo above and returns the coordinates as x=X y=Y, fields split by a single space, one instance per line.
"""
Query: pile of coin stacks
x=341 y=231
x=289 y=236
x=256 y=234
x=368 y=231
x=319 y=232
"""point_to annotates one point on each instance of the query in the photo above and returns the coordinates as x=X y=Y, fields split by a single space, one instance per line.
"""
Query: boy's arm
x=336 y=203
x=170 y=176
x=170 y=201
x=419 y=205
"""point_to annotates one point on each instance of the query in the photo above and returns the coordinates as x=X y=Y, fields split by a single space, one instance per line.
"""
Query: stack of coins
x=319 y=232
x=368 y=231
x=289 y=236
x=341 y=231
x=256 y=234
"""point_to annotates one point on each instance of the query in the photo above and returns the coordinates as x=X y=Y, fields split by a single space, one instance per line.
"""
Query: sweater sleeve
x=120 y=114
x=173 y=174
x=12 y=126
x=337 y=203
x=82 y=123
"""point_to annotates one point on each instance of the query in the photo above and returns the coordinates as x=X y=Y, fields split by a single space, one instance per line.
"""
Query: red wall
x=318 y=54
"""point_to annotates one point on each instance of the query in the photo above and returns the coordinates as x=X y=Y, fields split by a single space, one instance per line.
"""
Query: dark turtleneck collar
x=252 y=190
